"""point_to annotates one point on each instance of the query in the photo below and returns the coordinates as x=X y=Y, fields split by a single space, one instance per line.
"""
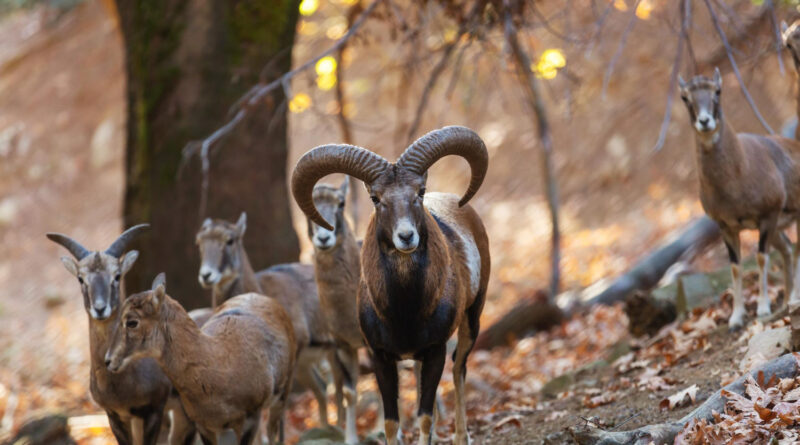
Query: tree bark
x=187 y=63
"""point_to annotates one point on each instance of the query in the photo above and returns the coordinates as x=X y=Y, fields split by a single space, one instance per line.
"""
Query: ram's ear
x=718 y=78
x=345 y=186
x=159 y=280
x=70 y=264
x=784 y=28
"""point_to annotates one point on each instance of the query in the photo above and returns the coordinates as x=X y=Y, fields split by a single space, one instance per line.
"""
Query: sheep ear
x=345 y=186
x=128 y=260
x=70 y=264
x=681 y=83
x=784 y=28
x=717 y=78
x=159 y=280
x=207 y=223
x=241 y=225
x=425 y=177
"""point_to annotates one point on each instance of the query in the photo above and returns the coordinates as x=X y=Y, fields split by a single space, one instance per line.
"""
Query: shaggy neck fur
x=406 y=285
x=720 y=158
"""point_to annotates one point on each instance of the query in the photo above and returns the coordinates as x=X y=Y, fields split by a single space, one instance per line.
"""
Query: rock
x=694 y=290
x=322 y=436
x=558 y=385
x=766 y=346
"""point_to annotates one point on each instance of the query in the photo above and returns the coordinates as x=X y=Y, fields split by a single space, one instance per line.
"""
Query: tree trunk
x=187 y=63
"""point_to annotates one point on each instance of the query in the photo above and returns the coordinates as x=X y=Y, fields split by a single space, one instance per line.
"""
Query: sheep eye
x=341 y=205
x=117 y=277
x=132 y=324
x=421 y=192
x=229 y=242
x=375 y=199
x=80 y=280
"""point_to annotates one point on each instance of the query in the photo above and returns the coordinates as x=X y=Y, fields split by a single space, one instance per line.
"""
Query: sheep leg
x=337 y=371
x=731 y=239
x=250 y=430
x=386 y=375
x=118 y=428
x=430 y=374
x=308 y=376
x=152 y=418
x=350 y=393
x=275 y=422
x=181 y=429
x=467 y=333
x=766 y=234
x=784 y=246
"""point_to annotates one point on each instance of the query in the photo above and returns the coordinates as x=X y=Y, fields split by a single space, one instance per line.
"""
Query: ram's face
x=399 y=211
x=137 y=334
x=219 y=243
x=702 y=99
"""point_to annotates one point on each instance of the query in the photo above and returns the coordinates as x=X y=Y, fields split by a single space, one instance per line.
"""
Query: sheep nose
x=323 y=238
x=206 y=276
x=703 y=120
x=406 y=237
x=108 y=362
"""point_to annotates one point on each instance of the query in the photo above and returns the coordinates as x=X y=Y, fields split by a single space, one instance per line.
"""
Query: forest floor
x=62 y=130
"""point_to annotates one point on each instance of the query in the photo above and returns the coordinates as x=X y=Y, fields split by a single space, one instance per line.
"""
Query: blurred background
x=104 y=105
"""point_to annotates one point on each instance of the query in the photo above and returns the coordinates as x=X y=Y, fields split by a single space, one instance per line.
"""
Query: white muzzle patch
x=323 y=238
x=405 y=236
x=102 y=314
x=705 y=122
x=208 y=276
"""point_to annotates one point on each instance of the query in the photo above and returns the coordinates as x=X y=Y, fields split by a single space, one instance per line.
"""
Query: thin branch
x=778 y=40
x=255 y=95
x=599 y=28
x=439 y=69
x=531 y=86
x=735 y=67
x=620 y=47
x=673 y=76
x=546 y=24
x=344 y=124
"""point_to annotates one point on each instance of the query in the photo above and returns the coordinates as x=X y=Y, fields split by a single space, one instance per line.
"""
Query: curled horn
x=74 y=247
x=117 y=248
x=326 y=159
x=453 y=140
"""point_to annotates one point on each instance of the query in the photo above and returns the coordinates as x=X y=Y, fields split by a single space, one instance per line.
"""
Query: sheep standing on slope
x=747 y=181
x=425 y=263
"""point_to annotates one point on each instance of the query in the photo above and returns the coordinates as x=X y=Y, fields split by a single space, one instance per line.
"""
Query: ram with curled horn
x=134 y=400
x=425 y=263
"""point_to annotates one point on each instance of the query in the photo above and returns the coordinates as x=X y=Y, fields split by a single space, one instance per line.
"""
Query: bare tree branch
x=673 y=76
x=728 y=50
x=256 y=94
x=439 y=68
x=620 y=47
x=531 y=85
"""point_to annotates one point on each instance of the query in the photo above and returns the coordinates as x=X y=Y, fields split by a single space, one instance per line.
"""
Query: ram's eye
x=229 y=242
x=341 y=205
x=117 y=277
x=80 y=280
x=132 y=324
x=421 y=192
x=375 y=199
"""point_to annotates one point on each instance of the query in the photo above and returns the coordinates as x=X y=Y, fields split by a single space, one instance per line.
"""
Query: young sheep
x=338 y=271
x=134 y=400
x=425 y=263
x=746 y=182
x=239 y=362
x=225 y=268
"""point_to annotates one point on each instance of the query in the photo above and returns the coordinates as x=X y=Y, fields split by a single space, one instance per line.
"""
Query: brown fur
x=240 y=361
x=142 y=387
x=791 y=39
x=292 y=285
x=746 y=182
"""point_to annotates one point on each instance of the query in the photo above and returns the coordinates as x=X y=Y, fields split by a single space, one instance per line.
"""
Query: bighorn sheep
x=791 y=38
x=424 y=262
x=225 y=268
x=133 y=400
x=338 y=271
x=746 y=182
x=239 y=362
